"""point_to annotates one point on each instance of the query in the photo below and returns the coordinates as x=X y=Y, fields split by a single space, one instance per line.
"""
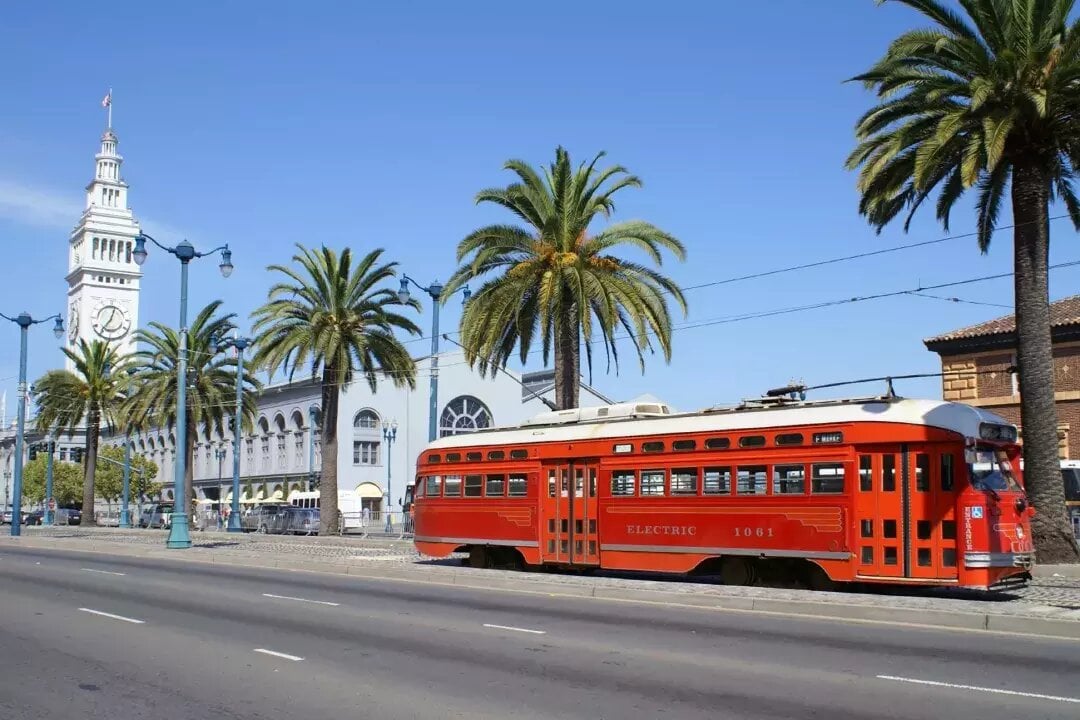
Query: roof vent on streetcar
x=603 y=412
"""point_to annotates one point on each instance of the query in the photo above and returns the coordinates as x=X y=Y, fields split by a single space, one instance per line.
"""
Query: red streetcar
x=878 y=490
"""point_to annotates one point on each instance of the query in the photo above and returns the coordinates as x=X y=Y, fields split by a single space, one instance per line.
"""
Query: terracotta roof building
x=978 y=361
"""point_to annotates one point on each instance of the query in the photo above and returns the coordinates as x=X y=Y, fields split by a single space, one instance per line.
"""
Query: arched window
x=366 y=419
x=464 y=414
x=366 y=439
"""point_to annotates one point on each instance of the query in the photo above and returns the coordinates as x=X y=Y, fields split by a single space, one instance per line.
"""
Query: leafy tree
x=988 y=99
x=334 y=317
x=92 y=393
x=557 y=281
x=110 y=477
x=67 y=481
x=211 y=389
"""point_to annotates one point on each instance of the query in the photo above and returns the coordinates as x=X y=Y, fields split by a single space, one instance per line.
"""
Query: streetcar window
x=684 y=445
x=717 y=481
x=948 y=529
x=717 y=444
x=752 y=441
x=517 y=486
x=622 y=482
x=653 y=447
x=922 y=472
x=496 y=455
x=947 y=472
x=432 y=489
x=474 y=456
x=473 y=483
x=751 y=480
x=866 y=475
x=623 y=448
x=434 y=458
x=991 y=470
x=789 y=480
x=827 y=478
x=496 y=486
x=789 y=439
x=551 y=483
x=652 y=482
x=453 y=457
x=888 y=473
x=519 y=454
x=684 y=481
x=452 y=485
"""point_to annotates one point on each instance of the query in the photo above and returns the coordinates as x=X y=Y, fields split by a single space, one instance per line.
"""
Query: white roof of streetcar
x=634 y=419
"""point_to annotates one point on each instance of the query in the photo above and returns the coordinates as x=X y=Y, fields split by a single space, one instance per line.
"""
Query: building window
x=366 y=419
x=365 y=452
x=464 y=414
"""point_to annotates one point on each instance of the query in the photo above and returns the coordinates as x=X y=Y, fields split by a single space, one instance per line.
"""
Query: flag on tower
x=107 y=100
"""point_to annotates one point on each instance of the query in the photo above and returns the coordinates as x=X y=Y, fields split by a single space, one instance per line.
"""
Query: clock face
x=111 y=321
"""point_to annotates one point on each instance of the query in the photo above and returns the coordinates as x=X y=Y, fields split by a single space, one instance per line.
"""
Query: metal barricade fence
x=377 y=523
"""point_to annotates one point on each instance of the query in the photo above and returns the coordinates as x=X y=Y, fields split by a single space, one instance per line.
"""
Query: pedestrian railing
x=377 y=523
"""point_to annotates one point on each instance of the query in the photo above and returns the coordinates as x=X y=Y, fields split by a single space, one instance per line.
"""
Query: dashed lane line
x=515 y=629
x=976 y=688
x=133 y=621
x=103 y=572
x=284 y=656
x=300 y=599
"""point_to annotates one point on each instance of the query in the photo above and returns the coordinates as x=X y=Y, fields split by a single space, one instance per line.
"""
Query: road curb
x=511 y=582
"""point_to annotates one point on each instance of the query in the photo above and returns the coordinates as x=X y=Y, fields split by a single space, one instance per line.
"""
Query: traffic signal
x=33 y=453
x=76 y=455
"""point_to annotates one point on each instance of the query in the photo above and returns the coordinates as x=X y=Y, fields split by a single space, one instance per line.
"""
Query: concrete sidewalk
x=1049 y=606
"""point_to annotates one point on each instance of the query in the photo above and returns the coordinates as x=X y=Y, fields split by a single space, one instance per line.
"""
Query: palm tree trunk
x=1038 y=414
x=328 y=484
x=567 y=361
x=93 y=429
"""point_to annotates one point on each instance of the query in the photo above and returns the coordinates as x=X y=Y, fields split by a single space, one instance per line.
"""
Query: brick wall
x=1067 y=368
x=994 y=378
x=959 y=380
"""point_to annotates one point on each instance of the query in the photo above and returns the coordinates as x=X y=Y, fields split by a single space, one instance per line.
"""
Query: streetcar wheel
x=737 y=571
x=479 y=557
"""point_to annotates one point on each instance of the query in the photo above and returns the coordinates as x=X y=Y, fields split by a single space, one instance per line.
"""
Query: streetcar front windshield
x=991 y=469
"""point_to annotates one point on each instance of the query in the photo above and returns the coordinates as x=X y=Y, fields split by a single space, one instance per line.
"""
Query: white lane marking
x=103 y=572
x=995 y=691
x=516 y=629
x=114 y=617
x=294 y=658
x=299 y=599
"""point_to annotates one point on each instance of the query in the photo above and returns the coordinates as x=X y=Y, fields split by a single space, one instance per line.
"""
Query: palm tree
x=988 y=101
x=93 y=393
x=335 y=317
x=557 y=280
x=211 y=390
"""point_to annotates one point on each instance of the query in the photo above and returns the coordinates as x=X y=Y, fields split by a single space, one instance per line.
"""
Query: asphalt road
x=97 y=636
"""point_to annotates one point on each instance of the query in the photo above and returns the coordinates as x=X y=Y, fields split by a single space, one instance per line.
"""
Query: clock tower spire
x=103 y=278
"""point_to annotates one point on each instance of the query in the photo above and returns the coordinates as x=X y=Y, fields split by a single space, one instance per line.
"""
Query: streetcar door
x=569 y=521
x=932 y=524
x=881 y=510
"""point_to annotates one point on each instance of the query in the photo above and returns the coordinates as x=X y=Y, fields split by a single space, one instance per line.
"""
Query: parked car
x=35 y=517
x=156 y=515
x=68 y=515
x=265 y=518
x=6 y=517
x=302 y=521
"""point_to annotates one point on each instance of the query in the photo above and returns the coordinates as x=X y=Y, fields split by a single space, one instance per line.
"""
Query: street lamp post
x=435 y=291
x=179 y=536
x=389 y=432
x=24 y=321
x=125 y=498
x=51 y=447
x=241 y=344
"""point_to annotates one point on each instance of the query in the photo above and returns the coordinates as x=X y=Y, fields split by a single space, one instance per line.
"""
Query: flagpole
x=110 y=109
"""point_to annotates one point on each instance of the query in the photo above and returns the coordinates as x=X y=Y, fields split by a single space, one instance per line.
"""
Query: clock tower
x=103 y=278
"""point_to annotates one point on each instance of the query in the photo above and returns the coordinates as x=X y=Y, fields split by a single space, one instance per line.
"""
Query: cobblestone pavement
x=1057 y=596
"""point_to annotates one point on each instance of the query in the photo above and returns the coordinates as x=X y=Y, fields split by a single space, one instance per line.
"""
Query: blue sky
x=267 y=124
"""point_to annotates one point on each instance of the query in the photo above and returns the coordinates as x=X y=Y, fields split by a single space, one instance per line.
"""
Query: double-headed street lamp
x=179 y=536
x=389 y=433
x=24 y=321
x=435 y=290
x=240 y=343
